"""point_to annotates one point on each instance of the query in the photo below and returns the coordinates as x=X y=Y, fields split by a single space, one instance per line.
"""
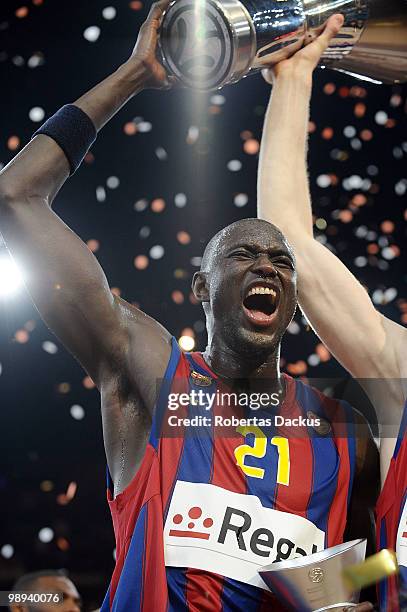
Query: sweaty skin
x=370 y=346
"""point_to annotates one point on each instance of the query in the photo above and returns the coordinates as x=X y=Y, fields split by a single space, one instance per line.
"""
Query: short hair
x=213 y=244
x=27 y=581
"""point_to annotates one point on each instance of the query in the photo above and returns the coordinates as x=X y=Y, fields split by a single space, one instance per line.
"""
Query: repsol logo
x=261 y=541
x=232 y=534
x=235 y=526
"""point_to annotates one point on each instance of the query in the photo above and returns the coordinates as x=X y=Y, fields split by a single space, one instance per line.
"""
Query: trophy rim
x=193 y=82
x=318 y=557
x=236 y=64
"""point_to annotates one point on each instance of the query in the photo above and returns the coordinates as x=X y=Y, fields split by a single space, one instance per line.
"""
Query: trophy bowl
x=206 y=44
x=314 y=583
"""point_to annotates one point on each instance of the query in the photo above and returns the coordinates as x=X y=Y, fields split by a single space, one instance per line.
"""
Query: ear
x=199 y=287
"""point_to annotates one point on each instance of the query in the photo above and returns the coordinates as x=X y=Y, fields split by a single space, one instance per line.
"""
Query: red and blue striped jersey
x=391 y=523
x=209 y=507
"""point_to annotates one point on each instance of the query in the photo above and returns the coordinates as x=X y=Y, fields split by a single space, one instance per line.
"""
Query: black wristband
x=74 y=132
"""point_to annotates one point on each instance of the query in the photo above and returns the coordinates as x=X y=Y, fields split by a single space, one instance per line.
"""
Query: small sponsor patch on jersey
x=200 y=380
x=324 y=428
x=232 y=534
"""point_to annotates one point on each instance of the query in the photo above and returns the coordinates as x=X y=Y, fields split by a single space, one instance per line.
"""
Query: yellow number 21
x=259 y=449
x=283 y=470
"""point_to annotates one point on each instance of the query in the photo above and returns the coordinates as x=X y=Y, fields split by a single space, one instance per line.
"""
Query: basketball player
x=195 y=515
x=368 y=345
x=48 y=582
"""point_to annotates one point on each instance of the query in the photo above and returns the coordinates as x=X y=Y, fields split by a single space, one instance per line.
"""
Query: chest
x=285 y=473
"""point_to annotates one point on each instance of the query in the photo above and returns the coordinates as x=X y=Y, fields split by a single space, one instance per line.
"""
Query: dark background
x=40 y=441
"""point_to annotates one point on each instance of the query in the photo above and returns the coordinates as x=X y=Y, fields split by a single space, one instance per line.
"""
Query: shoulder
x=142 y=351
x=131 y=316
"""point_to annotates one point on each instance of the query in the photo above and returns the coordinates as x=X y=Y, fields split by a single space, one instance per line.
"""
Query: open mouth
x=260 y=304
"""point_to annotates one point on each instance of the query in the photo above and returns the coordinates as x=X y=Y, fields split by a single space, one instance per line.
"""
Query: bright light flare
x=186 y=343
x=11 y=278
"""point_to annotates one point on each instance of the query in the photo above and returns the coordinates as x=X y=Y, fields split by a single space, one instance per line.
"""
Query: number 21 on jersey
x=259 y=449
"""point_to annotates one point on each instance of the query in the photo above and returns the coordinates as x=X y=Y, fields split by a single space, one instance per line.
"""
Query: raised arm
x=121 y=348
x=337 y=306
x=64 y=279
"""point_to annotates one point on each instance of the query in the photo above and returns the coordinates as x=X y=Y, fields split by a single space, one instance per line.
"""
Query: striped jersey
x=213 y=502
x=391 y=523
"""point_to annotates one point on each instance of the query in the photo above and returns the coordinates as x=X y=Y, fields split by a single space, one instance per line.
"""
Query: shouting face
x=247 y=284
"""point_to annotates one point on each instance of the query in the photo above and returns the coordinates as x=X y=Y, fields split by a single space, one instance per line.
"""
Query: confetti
x=7 y=551
x=234 y=165
x=240 y=200
x=180 y=200
x=36 y=114
x=109 y=12
x=77 y=412
x=92 y=33
x=46 y=535
x=156 y=252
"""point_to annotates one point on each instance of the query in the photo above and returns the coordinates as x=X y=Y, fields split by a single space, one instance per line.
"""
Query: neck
x=229 y=364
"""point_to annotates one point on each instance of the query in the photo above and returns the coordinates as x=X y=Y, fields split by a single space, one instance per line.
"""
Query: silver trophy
x=315 y=583
x=207 y=44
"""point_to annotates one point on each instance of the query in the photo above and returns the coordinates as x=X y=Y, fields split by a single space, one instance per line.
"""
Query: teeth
x=262 y=291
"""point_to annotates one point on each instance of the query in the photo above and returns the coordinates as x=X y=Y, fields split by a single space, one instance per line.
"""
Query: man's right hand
x=145 y=51
x=304 y=61
x=122 y=349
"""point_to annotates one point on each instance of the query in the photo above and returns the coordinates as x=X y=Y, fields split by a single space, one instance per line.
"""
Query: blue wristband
x=73 y=131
